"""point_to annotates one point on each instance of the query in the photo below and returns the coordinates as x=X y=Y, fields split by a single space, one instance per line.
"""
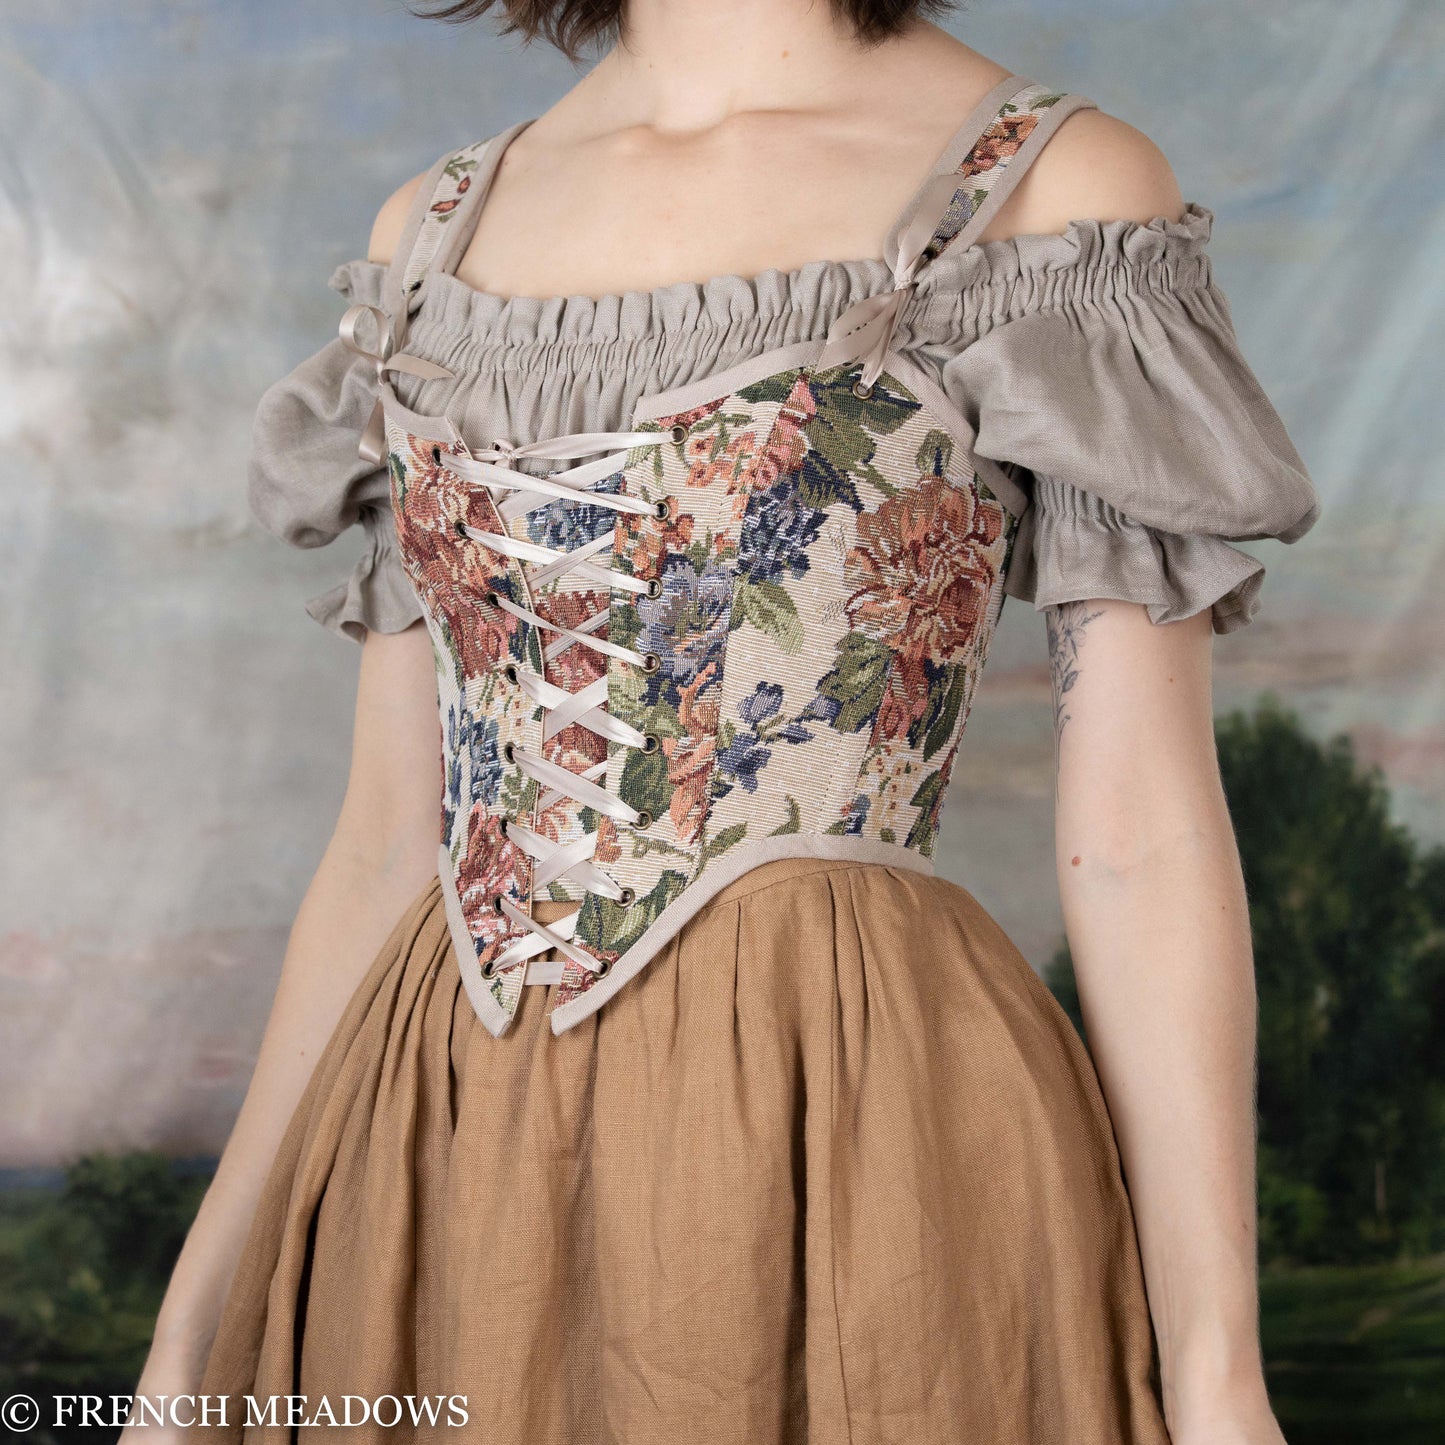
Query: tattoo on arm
x=1066 y=623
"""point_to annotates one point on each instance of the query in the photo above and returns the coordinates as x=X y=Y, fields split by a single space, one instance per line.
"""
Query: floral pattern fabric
x=807 y=686
x=830 y=573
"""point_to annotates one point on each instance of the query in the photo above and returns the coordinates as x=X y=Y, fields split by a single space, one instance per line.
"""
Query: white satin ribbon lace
x=515 y=492
x=864 y=332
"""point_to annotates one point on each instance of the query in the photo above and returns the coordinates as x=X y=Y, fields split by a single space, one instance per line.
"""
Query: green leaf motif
x=843 y=434
x=856 y=681
x=724 y=840
x=794 y=822
x=624 y=696
x=608 y=925
x=518 y=794
x=821 y=484
x=661 y=718
x=534 y=650
x=935 y=452
x=770 y=388
x=845 y=414
x=768 y=607
x=945 y=700
x=926 y=800
x=644 y=781
x=624 y=625
x=877 y=481
x=453 y=654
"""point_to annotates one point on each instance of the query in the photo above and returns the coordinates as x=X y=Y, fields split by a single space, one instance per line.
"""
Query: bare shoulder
x=391 y=219
x=1095 y=166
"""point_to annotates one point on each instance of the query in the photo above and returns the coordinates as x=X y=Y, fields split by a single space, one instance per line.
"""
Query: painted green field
x=1357 y=1355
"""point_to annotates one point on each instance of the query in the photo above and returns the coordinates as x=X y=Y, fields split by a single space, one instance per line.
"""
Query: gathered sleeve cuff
x=307 y=484
x=377 y=595
x=1132 y=422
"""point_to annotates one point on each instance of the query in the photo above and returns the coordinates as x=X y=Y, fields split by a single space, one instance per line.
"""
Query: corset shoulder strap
x=982 y=163
x=985 y=159
x=442 y=218
x=433 y=237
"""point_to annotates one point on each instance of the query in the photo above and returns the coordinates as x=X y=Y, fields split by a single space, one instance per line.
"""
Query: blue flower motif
x=741 y=762
x=565 y=524
x=777 y=532
x=749 y=752
x=473 y=753
x=822 y=709
x=687 y=627
x=764 y=701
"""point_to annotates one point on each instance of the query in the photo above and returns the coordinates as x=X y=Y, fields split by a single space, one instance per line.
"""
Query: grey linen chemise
x=1099 y=364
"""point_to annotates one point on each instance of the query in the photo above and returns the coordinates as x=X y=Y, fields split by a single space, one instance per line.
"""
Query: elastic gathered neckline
x=458 y=322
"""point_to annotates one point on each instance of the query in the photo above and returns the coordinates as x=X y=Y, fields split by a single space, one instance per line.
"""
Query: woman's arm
x=1154 y=900
x=381 y=855
x=1155 y=911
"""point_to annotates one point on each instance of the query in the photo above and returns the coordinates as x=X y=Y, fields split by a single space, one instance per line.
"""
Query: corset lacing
x=587 y=707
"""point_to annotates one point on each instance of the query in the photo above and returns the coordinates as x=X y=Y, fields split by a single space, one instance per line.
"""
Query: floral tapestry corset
x=750 y=627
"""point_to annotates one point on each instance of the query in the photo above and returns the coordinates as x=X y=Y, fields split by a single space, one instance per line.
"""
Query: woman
x=796 y=1147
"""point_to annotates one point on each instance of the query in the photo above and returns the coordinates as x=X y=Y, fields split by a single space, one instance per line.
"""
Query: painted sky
x=177 y=180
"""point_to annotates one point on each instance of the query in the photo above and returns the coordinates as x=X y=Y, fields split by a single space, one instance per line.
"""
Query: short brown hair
x=572 y=25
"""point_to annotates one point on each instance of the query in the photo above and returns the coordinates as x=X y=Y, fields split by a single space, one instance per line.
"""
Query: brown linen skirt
x=835 y=1167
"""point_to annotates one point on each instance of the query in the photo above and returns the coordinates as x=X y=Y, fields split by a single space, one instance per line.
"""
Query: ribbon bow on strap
x=865 y=330
x=373 y=434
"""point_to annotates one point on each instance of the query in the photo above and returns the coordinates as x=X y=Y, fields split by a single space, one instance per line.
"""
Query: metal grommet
x=509 y=750
x=461 y=528
x=863 y=390
x=511 y=673
x=662 y=509
x=502 y=826
x=602 y=969
x=651 y=742
x=628 y=898
x=494 y=598
x=489 y=969
x=436 y=454
x=650 y=662
x=497 y=904
x=644 y=819
x=678 y=433
x=654 y=586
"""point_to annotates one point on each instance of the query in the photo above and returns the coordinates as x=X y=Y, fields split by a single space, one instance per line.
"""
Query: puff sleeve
x=307 y=484
x=1123 y=406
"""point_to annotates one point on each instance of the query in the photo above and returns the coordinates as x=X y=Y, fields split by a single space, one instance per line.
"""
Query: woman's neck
x=686 y=65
